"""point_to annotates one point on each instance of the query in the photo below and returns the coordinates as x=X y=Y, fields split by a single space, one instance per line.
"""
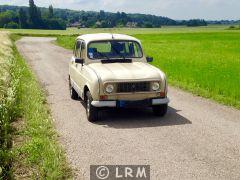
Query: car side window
x=77 y=49
x=82 y=50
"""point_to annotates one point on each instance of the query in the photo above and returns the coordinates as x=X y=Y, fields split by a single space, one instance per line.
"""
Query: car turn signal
x=162 y=94
x=103 y=98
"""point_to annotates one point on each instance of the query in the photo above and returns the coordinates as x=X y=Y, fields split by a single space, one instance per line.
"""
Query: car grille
x=127 y=87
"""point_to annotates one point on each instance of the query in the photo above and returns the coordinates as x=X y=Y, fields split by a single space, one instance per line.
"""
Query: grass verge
x=8 y=103
x=34 y=153
x=206 y=64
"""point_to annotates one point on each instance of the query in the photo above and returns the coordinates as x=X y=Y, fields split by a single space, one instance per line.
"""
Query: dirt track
x=198 y=139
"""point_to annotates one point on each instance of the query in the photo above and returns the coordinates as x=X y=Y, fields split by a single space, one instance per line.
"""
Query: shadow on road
x=139 y=118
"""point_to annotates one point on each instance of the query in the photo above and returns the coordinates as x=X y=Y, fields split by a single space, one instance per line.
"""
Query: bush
x=6 y=17
x=232 y=27
x=11 y=25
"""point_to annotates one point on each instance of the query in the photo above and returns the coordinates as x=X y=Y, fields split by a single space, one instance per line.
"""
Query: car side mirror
x=149 y=59
x=79 y=61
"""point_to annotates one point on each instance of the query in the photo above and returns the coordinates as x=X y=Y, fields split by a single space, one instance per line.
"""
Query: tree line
x=34 y=17
x=104 y=19
x=30 y=18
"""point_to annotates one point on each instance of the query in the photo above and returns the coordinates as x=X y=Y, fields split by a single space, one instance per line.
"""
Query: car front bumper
x=147 y=102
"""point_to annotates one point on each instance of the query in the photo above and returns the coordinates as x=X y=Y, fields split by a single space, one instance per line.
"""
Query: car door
x=82 y=67
x=75 y=68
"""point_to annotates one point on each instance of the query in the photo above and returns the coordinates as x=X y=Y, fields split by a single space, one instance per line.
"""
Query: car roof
x=105 y=36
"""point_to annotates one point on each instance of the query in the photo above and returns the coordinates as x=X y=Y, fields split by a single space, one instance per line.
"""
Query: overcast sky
x=176 y=9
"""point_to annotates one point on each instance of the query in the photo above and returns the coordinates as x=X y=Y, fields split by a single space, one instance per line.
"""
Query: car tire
x=160 y=110
x=73 y=93
x=91 y=111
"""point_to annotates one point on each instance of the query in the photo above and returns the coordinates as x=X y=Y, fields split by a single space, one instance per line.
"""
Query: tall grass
x=8 y=102
x=35 y=153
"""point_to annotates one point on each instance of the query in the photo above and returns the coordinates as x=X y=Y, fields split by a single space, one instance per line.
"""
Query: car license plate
x=141 y=103
x=122 y=103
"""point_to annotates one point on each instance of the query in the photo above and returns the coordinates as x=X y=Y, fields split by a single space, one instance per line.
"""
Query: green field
x=204 y=61
x=131 y=31
x=207 y=64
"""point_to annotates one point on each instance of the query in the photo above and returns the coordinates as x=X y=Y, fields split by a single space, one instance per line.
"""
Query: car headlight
x=109 y=88
x=155 y=86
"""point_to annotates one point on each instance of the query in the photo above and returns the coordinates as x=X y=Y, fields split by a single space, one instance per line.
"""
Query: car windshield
x=114 y=50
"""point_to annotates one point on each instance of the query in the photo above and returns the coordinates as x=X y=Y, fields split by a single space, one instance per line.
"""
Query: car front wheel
x=92 y=112
x=160 y=110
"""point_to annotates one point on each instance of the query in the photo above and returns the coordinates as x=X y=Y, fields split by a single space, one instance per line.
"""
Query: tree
x=54 y=24
x=148 y=25
x=196 y=22
x=101 y=15
x=50 y=11
x=34 y=15
x=32 y=11
x=22 y=19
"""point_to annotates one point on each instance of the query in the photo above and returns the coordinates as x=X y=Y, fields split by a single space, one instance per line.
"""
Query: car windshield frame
x=121 y=56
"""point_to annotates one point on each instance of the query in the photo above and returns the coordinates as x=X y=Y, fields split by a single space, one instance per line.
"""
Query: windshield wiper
x=124 y=58
x=104 y=55
x=116 y=61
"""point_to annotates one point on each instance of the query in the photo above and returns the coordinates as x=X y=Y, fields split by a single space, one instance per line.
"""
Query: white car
x=111 y=70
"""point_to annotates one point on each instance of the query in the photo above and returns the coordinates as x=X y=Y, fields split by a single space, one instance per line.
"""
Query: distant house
x=98 y=23
x=131 y=24
x=77 y=25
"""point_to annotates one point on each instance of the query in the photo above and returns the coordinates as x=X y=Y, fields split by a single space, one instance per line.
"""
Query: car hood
x=126 y=71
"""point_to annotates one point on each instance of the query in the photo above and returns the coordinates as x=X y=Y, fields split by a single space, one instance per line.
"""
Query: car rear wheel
x=160 y=110
x=92 y=112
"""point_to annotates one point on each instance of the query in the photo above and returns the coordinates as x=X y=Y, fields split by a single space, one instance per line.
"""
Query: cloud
x=176 y=9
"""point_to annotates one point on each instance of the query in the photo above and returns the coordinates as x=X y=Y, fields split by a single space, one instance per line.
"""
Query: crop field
x=205 y=62
x=131 y=31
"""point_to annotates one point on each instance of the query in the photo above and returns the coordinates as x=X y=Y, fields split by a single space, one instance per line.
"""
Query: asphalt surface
x=198 y=139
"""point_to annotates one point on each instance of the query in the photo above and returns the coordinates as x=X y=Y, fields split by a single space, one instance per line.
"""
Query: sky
x=175 y=9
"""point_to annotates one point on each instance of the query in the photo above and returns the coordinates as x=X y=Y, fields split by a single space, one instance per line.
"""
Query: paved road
x=198 y=139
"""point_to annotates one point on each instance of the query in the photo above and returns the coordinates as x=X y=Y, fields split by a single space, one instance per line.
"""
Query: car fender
x=92 y=83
